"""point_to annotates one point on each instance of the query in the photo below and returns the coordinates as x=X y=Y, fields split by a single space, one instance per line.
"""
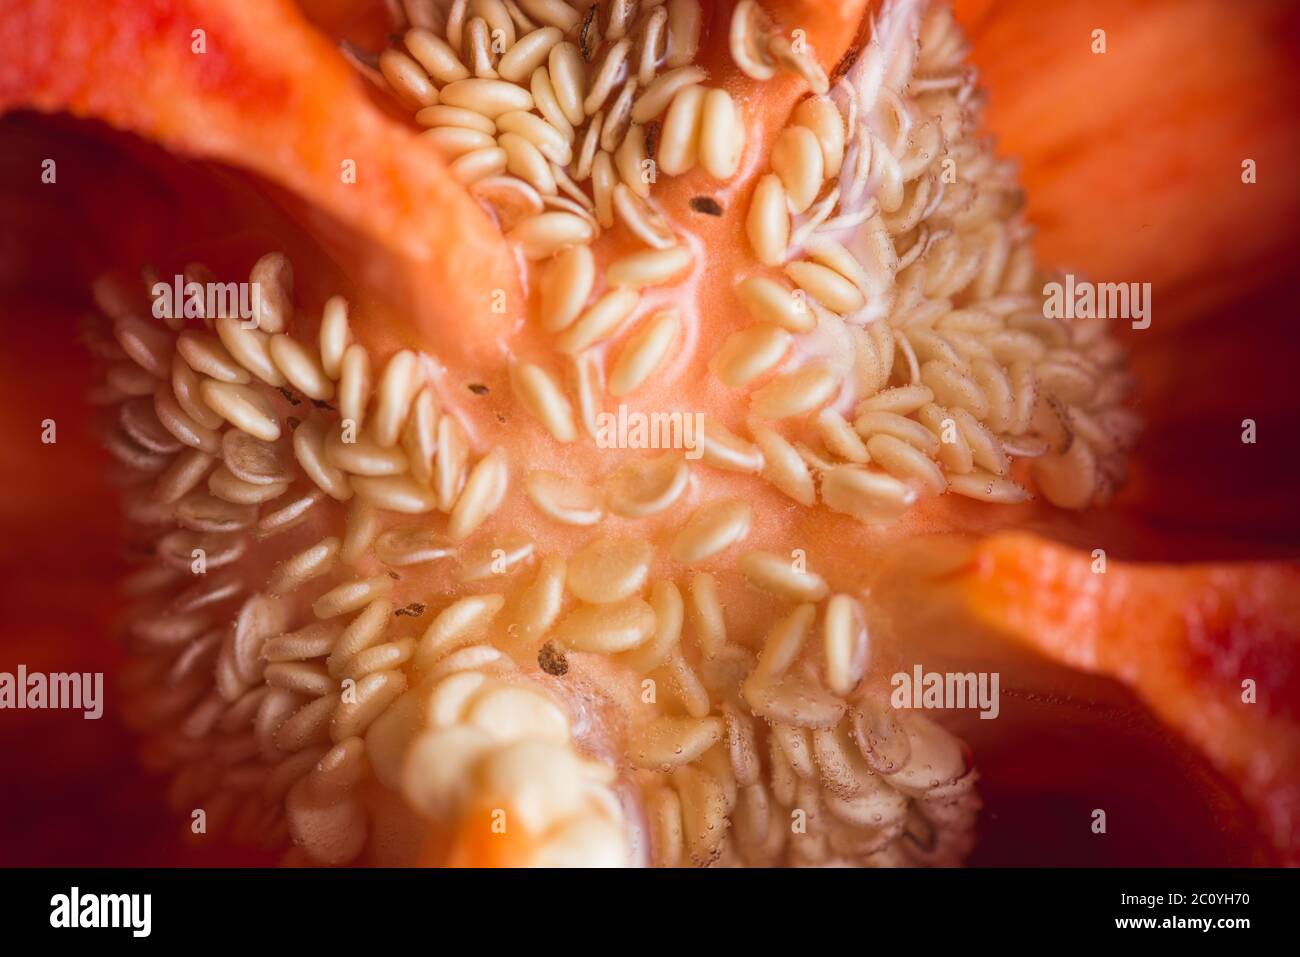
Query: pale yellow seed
x=845 y=644
x=797 y=158
x=568 y=78
x=833 y=255
x=668 y=741
x=603 y=180
x=335 y=336
x=721 y=448
x=619 y=120
x=420 y=436
x=544 y=234
x=304 y=566
x=449 y=466
x=309 y=450
x=554 y=13
x=796 y=393
x=354 y=384
x=839 y=437
x=767 y=224
x=484 y=489
x=396 y=493
x=435 y=55
x=660 y=93
x=869 y=424
x=873 y=498
x=599 y=321
x=747 y=38
x=272 y=277
x=553 y=143
x=537 y=609
x=642 y=219
x=408 y=78
x=412 y=545
x=820 y=115
x=685 y=21
x=1068 y=479
x=493 y=557
x=669 y=611
x=544 y=399
x=185 y=386
x=749 y=353
x=901 y=400
x=443 y=115
x=461 y=623
x=654 y=39
x=148 y=346
x=359 y=531
x=783 y=466
x=528 y=53
x=713 y=528
x=489 y=97
x=606 y=75
x=565 y=287
x=362 y=456
x=954 y=389
x=722 y=135
x=609 y=570
x=588 y=147
x=525 y=160
x=826 y=286
x=648 y=486
x=769 y=301
x=987 y=487
x=651 y=267
x=629 y=159
x=783 y=576
x=680 y=135
x=351 y=596
x=644 y=352
x=176 y=421
x=243 y=407
x=607 y=629
x=547 y=103
x=563 y=498
x=478 y=165
x=301 y=368
x=456 y=141
x=586 y=383
x=251 y=348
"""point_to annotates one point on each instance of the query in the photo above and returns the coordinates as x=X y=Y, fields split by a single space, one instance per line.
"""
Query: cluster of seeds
x=904 y=338
x=274 y=690
x=561 y=116
x=275 y=678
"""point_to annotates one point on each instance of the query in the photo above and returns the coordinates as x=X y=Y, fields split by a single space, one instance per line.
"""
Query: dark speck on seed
x=707 y=205
x=288 y=394
x=478 y=388
x=415 y=609
x=294 y=421
x=322 y=404
x=587 y=35
x=394 y=576
x=551 y=660
x=652 y=137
